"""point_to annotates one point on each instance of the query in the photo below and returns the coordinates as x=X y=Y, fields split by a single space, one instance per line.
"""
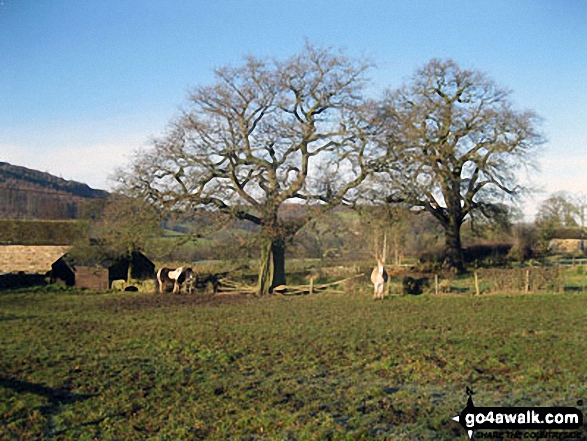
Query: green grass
x=328 y=366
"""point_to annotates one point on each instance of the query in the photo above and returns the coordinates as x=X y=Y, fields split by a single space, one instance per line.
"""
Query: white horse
x=379 y=278
x=178 y=276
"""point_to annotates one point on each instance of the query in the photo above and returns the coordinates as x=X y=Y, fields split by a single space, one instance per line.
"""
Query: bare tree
x=388 y=221
x=265 y=133
x=580 y=202
x=121 y=226
x=455 y=147
x=559 y=211
x=556 y=214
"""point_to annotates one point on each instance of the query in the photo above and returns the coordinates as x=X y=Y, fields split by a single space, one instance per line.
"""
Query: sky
x=84 y=84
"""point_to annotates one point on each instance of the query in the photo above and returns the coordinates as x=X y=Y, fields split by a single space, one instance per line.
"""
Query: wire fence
x=524 y=280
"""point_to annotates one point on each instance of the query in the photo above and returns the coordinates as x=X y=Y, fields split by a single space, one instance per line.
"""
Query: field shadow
x=55 y=396
x=146 y=301
x=8 y=318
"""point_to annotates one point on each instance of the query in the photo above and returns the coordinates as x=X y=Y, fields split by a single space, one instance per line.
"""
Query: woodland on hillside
x=31 y=194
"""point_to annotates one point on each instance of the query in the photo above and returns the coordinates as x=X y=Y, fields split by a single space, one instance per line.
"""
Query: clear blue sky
x=85 y=83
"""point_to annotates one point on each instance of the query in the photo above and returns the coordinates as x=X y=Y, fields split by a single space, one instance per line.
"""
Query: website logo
x=542 y=420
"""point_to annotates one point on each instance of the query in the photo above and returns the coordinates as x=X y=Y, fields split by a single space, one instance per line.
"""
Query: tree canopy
x=264 y=133
x=455 y=147
x=558 y=211
x=271 y=132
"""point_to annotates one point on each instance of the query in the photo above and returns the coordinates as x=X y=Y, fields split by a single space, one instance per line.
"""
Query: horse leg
x=379 y=291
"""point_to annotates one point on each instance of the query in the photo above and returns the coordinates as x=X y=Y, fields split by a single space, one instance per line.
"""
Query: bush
x=494 y=252
x=414 y=286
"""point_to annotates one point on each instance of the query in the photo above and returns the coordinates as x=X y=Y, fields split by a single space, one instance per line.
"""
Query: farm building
x=83 y=277
x=142 y=268
x=31 y=265
x=573 y=247
x=100 y=275
x=27 y=265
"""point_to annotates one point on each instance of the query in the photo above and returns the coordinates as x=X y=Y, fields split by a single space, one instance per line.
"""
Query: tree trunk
x=272 y=269
x=129 y=269
x=454 y=251
x=266 y=268
x=278 y=254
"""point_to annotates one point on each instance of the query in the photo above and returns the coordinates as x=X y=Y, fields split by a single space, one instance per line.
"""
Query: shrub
x=414 y=285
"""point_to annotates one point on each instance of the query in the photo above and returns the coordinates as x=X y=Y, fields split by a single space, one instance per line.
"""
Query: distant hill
x=32 y=194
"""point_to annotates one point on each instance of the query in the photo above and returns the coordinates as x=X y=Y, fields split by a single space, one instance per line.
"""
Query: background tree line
x=339 y=236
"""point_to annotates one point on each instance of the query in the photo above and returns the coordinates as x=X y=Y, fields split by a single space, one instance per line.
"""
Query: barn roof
x=30 y=259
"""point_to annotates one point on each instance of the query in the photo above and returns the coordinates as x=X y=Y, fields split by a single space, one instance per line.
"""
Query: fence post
x=476 y=284
x=436 y=283
x=527 y=285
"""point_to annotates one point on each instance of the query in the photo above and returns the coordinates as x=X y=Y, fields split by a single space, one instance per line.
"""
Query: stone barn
x=569 y=247
x=27 y=265
x=31 y=265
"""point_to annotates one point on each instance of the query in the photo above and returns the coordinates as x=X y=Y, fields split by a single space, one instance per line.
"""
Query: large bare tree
x=265 y=133
x=456 y=147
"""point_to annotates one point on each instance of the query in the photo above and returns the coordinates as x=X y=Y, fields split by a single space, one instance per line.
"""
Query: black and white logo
x=542 y=420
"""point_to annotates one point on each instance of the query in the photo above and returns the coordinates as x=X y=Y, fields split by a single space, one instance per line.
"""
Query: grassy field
x=81 y=366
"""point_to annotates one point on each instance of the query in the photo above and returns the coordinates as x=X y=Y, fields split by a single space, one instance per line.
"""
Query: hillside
x=31 y=194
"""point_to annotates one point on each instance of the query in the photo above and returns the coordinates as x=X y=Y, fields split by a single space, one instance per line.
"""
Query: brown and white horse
x=178 y=276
